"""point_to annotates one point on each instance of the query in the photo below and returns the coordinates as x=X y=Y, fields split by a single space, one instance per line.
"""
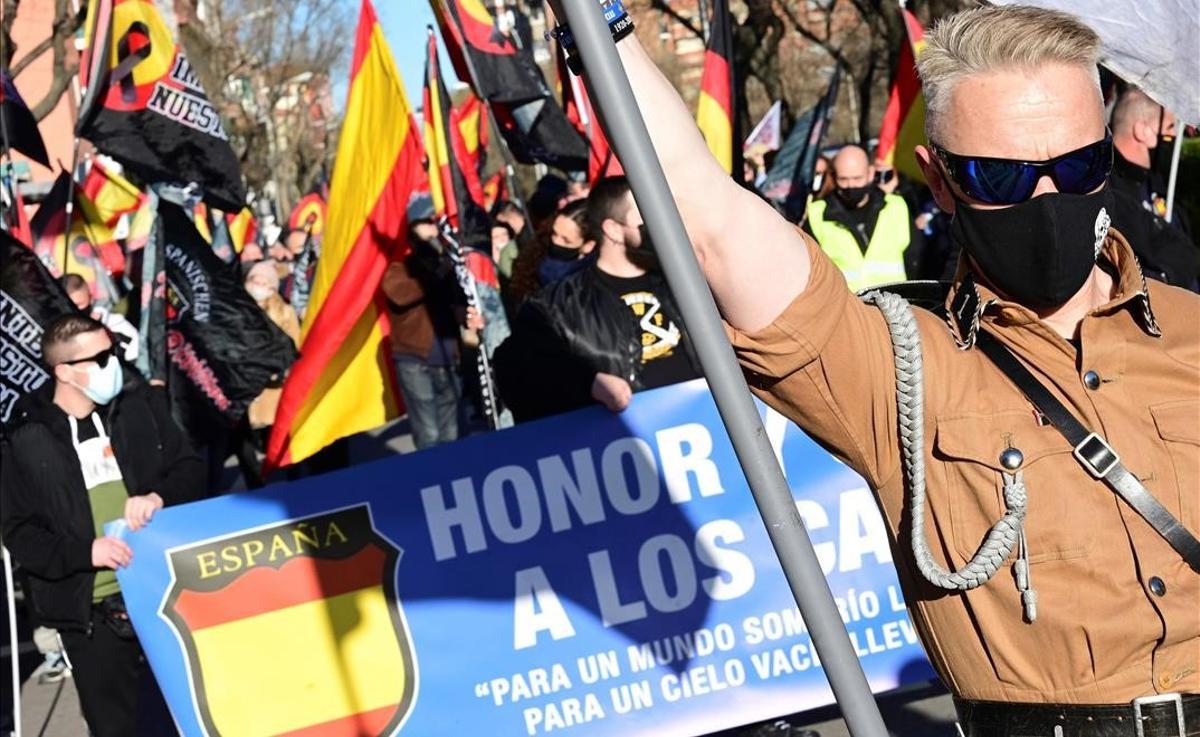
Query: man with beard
x=1052 y=581
x=864 y=231
x=601 y=333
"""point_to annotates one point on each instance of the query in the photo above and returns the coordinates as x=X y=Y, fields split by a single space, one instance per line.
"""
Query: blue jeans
x=431 y=395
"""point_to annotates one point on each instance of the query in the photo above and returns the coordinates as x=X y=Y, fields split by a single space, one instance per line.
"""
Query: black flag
x=149 y=111
x=502 y=69
x=20 y=127
x=223 y=348
x=790 y=178
x=29 y=299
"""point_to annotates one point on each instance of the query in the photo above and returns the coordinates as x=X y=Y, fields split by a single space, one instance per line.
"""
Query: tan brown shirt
x=1101 y=635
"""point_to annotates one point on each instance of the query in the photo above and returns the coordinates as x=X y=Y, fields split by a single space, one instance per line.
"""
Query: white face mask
x=259 y=292
x=104 y=382
x=818 y=182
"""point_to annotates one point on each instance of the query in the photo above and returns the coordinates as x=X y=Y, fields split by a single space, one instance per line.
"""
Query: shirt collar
x=968 y=301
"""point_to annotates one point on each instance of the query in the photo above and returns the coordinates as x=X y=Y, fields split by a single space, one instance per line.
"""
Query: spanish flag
x=243 y=227
x=903 y=126
x=105 y=195
x=343 y=383
x=716 y=112
x=455 y=196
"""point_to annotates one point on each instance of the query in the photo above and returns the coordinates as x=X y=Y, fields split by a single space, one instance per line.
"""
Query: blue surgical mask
x=104 y=381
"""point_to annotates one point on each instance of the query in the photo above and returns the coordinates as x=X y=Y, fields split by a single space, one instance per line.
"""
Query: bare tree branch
x=662 y=6
x=64 y=27
x=46 y=44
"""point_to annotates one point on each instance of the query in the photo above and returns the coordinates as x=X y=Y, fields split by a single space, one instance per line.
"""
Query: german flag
x=449 y=186
x=717 y=112
x=903 y=126
x=343 y=383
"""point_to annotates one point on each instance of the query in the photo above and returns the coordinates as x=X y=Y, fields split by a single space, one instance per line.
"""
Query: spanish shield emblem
x=294 y=629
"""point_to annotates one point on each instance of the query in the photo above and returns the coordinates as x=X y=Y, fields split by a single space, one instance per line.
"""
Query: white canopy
x=1154 y=44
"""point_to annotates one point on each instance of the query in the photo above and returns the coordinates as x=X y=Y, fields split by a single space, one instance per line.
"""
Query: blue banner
x=588 y=574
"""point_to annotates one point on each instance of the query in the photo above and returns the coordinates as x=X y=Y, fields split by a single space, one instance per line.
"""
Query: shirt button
x=1157 y=586
x=1165 y=681
x=1091 y=380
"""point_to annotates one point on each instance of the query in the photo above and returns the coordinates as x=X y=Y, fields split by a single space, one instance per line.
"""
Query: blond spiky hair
x=989 y=38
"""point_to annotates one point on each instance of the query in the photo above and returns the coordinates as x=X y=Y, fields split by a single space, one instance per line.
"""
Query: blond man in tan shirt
x=1118 y=611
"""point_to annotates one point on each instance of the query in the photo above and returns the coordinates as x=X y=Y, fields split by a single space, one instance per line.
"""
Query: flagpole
x=614 y=96
x=70 y=205
x=1174 y=173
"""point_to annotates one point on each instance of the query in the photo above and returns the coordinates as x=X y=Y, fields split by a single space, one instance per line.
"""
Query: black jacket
x=1164 y=250
x=46 y=517
x=564 y=335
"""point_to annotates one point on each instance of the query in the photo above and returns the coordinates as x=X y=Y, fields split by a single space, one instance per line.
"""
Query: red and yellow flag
x=715 y=112
x=343 y=382
x=243 y=227
x=309 y=214
x=456 y=195
x=105 y=195
x=903 y=126
x=602 y=160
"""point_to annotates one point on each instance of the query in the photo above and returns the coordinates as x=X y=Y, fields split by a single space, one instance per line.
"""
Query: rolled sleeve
x=826 y=363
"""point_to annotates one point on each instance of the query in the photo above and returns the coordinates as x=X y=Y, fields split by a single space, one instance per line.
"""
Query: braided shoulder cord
x=910 y=399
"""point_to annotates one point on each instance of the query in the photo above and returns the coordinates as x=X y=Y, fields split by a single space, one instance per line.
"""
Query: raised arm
x=755 y=261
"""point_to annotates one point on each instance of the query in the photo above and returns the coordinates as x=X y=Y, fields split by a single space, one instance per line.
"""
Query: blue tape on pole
x=593 y=574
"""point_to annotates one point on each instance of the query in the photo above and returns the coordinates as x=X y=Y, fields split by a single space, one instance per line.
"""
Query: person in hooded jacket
x=97 y=446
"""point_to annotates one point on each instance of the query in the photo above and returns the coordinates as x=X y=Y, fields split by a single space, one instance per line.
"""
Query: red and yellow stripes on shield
x=335 y=665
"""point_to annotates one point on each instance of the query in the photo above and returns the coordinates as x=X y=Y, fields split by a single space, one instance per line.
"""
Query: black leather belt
x=1169 y=715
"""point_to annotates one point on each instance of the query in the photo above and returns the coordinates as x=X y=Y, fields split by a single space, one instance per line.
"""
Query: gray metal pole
x=614 y=96
x=1174 y=174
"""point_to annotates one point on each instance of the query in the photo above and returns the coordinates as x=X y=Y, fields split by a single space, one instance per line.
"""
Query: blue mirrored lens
x=998 y=182
x=1084 y=170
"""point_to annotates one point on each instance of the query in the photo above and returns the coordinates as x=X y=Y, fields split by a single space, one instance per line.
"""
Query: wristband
x=620 y=25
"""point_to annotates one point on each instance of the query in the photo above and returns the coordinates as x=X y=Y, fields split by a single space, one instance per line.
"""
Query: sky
x=404 y=23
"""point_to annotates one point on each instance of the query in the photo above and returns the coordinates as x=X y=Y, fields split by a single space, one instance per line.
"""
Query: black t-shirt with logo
x=664 y=359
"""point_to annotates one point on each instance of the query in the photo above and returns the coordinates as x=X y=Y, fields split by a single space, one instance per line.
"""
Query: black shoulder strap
x=1093 y=452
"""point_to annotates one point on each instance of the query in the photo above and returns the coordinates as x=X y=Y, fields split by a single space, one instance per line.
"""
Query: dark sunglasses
x=1008 y=181
x=102 y=358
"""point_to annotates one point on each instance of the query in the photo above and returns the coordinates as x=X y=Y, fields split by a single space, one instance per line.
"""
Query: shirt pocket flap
x=1178 y=421
x=967 y=448
x=981 y=438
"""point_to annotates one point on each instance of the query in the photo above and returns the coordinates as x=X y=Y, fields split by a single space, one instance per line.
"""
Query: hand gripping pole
x=613 y=95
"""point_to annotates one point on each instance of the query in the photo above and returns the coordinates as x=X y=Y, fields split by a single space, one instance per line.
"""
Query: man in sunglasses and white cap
x=1057 y=384
x=100 y=447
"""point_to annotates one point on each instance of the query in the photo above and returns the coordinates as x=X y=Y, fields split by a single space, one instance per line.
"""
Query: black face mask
x=851 y=196
x=561 y=253
x=644 y=256
x=1160 y=160
x=1040 y=252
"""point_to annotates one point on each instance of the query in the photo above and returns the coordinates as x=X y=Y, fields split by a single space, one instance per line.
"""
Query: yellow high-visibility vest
x=883 y=261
